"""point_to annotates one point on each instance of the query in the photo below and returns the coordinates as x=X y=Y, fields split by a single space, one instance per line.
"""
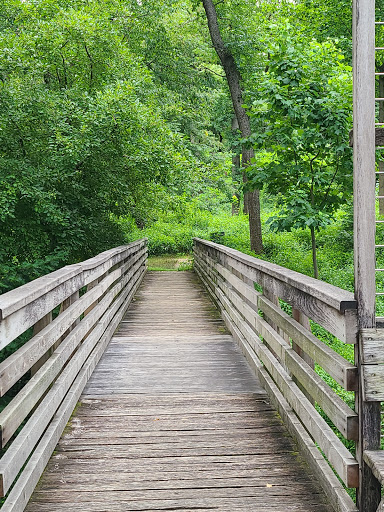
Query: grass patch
x=176 y=262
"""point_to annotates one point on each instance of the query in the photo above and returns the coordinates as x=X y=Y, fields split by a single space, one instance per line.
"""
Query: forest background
x=116 y=123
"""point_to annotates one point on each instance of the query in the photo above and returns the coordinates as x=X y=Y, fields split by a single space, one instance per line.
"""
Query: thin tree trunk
x=314 y=254
x=251 y=199
x=235 y=170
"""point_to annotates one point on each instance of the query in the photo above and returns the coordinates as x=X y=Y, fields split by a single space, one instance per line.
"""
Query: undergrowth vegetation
x=172 y=232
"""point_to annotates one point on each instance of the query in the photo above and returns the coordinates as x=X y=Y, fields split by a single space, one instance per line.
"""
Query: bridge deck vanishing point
x=173 y=419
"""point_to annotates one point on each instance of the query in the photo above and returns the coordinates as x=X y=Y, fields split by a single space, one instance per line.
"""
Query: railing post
x=364 y=229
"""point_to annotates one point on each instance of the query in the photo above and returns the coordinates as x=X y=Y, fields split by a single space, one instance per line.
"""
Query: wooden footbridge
x=126 y=390
x=172 y=406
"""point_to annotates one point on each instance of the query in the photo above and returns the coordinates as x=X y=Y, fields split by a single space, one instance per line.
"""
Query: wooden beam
x=333 y=296
x=18 y=453
x=379 y=137
x=369 y=493
x=25 y=306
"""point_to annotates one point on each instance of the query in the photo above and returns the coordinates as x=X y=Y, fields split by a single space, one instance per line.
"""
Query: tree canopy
x=116 y=112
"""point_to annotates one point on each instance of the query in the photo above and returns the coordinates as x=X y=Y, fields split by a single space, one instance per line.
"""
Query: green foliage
x=90 y=127
x=305 y=158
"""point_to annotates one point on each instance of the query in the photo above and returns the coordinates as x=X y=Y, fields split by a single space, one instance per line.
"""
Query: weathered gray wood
x=343 y=324
x=372 y=368
x=336 y=318
x=338 y=455
x=334 y=407
x=341 y=415
x=375 y=460
x=14 y=459
x=20 y=406
x=24 y=295
x=372 y=342
x=23 y=307
x=16 y=365
x=196 y=504
x=304 y=321
x=92 y=285
x=335 y=297
x=379 y=133
x=39 y=326
x=338 y=497
x=369 y=493
x=373 y=382
x=179 y=450
x=337 y=366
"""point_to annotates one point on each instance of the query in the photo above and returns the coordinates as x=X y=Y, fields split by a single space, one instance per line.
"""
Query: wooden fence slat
x=344 y=372
x=343 y=325
x=17 y=317
x=325 y=292
x=336 y=452
x=333 y=363
x=23 y=295
x=16 y=456
x=343 y=417
x=20 y=494
x=17 y=410
x=331 y=307
x=336 y=409
x=335 y=492
x=16 y=365
x=338 y=455
x=338 y=367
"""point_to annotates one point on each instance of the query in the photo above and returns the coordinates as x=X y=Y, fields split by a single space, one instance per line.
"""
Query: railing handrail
x=282 y=350
x=16 y=299
x=72 y=315
x=329 y=294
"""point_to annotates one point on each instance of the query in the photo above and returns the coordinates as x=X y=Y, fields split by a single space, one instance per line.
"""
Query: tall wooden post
x=364 y=228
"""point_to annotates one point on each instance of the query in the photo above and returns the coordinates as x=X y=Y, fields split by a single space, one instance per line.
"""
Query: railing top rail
x=23 y=295
x=332 y=295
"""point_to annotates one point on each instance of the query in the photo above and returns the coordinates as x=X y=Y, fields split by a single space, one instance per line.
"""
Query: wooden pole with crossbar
x=364 y=229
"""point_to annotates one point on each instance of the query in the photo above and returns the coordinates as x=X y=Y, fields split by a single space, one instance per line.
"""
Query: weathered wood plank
x=372 y=341
x=339 y=499
x=335 y=297
x=16 y=365
x=364 y=185
x=373 y=382
x=340 y=458
x=342 y=416
x=20 y=297
x=38 y=327
x=180 y=450
x=20 y=406
x=375 y=460
x=339 y=321
x=333 y=363
x=23 y=307
x=15 y=458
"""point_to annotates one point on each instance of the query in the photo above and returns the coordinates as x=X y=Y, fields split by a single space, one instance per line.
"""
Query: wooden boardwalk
x=173 y=419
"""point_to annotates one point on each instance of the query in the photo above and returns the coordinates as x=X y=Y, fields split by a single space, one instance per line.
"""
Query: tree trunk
x=314 y=254
x=236 y=164
x=251 y=199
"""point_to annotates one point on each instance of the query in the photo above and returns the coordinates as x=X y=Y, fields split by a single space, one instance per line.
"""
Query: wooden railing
x=282 y=351
x=72 y=314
